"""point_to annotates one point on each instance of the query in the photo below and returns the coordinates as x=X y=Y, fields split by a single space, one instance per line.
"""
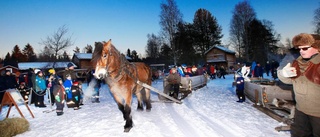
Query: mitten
x=289 y=71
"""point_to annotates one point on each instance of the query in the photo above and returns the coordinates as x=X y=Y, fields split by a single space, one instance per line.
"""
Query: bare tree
x=316 y=20
x=153 y=46
x=169 y=18
x=243 y=14
x=58 y=42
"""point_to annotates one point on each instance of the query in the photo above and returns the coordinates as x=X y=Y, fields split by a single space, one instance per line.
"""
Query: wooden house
x=12 y=69
x=83 y=60
x=221 y=56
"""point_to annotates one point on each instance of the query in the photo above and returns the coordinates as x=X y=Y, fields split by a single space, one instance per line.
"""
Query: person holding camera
x=304 y=75
x=52 y=81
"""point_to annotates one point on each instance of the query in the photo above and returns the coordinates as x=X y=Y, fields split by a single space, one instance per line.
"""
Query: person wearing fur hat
x=304 y=75
x=59 y=95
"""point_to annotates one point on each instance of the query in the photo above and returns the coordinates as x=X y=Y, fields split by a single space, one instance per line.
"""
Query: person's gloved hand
x=289 y=71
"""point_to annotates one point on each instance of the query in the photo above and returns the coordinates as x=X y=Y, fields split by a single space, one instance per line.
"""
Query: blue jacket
x=40 y=84
x=180 y=71
x=67 y=85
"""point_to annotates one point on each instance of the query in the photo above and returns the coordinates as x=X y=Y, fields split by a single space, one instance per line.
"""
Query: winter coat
x=306 y=85
x=174 y=78
x=59 y=93
x=76 y=95
x=40 y=84
x=67 y=85
x=212 y=69
x=180 y=71
x=240 y=83
x=9 y=81
x=258 y=71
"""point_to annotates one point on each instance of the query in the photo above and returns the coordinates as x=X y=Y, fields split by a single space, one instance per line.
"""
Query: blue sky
x=128 y=22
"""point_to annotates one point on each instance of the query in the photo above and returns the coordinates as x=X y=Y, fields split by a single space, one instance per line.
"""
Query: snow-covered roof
x=83 y=55
x=89 y=56
x=42 y=65
x=221 y=48
x=8 y=66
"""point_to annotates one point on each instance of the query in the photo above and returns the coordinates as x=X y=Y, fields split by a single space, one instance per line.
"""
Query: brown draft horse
x=121 y=77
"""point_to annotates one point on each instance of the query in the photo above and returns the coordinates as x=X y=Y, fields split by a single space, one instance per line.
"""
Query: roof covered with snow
x=83 y=55
x=43 y=65
x=221 y=48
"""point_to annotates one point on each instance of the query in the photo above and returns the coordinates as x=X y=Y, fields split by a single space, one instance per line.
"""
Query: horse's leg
x=120 y=104
x=147 y=100
x=127 y=112
x=139 y=95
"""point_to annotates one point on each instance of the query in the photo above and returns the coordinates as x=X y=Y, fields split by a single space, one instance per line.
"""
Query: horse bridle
x=106 y=57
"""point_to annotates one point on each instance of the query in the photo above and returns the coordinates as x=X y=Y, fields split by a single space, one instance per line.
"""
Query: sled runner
x=264 y=92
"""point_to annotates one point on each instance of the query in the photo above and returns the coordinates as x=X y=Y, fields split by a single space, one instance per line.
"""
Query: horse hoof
x=127 y=129
x=148 y=110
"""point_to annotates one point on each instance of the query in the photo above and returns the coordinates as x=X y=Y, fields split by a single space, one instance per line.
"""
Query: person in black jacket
x=8 y=82
x=258 y=71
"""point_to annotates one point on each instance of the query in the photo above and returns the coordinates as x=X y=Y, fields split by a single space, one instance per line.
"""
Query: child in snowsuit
x=75 y=95
x=240 y=89
x=59 y=95
x=67 y=86
x=24 y=91
x=40 y=88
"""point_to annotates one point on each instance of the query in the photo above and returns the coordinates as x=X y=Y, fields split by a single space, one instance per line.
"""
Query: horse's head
x=102 y=57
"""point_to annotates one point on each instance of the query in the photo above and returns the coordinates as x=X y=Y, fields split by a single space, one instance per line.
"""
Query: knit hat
x=75 y=83
x=305 y=39
x=70 y=65
x=51 y=71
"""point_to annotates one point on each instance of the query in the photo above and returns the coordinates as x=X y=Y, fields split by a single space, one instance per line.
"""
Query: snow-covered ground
x=211 y=111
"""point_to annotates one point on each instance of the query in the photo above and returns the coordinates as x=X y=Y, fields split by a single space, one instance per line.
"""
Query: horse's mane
x=98 y=51
x=98 y=47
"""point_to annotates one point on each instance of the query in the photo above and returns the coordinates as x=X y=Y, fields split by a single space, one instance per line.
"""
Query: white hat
x=36 y=71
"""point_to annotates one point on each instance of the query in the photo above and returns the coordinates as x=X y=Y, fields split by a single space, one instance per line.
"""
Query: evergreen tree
x=207 y=31
x=76 y=50
x=17 y=54
x=28 y=52
x=88 y=49
x=128 y=53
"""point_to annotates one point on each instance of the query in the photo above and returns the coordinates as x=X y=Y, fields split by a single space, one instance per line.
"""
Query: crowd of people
x=61 y=90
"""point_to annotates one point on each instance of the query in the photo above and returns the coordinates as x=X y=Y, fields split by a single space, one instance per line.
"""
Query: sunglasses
x=304 y=49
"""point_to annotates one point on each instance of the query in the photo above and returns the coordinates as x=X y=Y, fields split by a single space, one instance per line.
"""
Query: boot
x=59 y=113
